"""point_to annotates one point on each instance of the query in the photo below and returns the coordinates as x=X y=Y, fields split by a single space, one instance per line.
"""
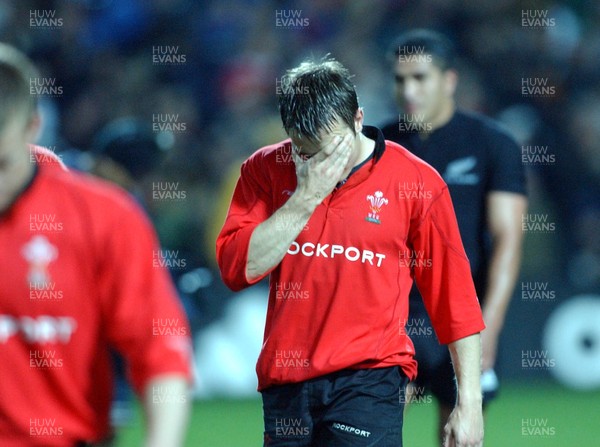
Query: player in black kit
x=481 y=165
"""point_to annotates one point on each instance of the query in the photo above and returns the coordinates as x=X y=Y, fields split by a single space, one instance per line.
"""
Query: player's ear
x=358 y=120
x=450 y=81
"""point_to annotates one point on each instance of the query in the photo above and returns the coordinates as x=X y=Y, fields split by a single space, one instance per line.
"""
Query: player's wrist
x=306 y=200
x=470 y=399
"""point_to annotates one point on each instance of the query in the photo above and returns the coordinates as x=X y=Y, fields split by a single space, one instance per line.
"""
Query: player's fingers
x=301 y=165
x=456 y=443
x=339 y=145
x=298 y=160
x=340 y=157
x=335 y=143
x=338 y=165
x=345 y=145
x=448 y=438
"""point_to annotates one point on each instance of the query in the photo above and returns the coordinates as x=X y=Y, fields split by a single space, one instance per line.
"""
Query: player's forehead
x=418 y=66
x=325 y=137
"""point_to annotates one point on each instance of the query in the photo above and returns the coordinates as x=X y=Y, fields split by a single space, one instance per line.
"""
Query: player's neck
x=441 y=119
x=365 y=147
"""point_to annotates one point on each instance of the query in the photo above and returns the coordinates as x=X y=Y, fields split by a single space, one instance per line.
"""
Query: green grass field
x=539 y=415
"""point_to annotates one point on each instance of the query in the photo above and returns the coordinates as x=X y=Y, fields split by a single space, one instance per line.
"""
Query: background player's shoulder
x=101 y=196
x=85 y=185
x=485 y=127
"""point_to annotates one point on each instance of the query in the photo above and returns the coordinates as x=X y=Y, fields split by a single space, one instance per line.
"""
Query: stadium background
x=166 y=97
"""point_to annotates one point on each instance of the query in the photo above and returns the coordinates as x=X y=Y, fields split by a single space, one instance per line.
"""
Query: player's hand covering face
x=322 y=165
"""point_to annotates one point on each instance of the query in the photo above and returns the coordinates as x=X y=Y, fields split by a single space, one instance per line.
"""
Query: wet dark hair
x=314 y=95
x=16 y=72
x=429 y=42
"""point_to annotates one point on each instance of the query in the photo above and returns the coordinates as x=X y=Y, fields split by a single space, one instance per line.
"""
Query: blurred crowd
x=195 y=82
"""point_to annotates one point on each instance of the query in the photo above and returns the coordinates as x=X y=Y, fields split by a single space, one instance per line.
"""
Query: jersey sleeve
x=250 y=206
x=142 y=316
x=506 y=169
x=445 y=281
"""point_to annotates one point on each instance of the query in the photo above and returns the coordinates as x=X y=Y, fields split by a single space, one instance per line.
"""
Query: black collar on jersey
x=374 y=134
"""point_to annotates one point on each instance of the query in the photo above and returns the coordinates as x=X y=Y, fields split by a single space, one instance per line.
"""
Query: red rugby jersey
x=339 y=298
x=80 y=270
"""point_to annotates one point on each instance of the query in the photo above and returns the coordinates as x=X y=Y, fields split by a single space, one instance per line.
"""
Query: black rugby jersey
x=475 y=157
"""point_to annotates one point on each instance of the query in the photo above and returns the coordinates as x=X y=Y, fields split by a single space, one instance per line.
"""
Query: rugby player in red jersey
x=78 y=276
x=329 y=215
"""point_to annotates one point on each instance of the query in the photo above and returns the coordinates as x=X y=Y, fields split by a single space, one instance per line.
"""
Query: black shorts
x=435 y=371
x=347 y=408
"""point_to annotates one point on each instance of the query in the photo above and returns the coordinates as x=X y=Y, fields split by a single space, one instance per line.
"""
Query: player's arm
x=167 y=418
x=505 y=211
x=144 y=320
x=316 y=178
x=271 y=239
x=465 y=424
x=448 y=292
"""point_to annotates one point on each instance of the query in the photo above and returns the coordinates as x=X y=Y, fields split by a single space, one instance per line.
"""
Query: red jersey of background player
x=80 y=270
x=339 y=298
